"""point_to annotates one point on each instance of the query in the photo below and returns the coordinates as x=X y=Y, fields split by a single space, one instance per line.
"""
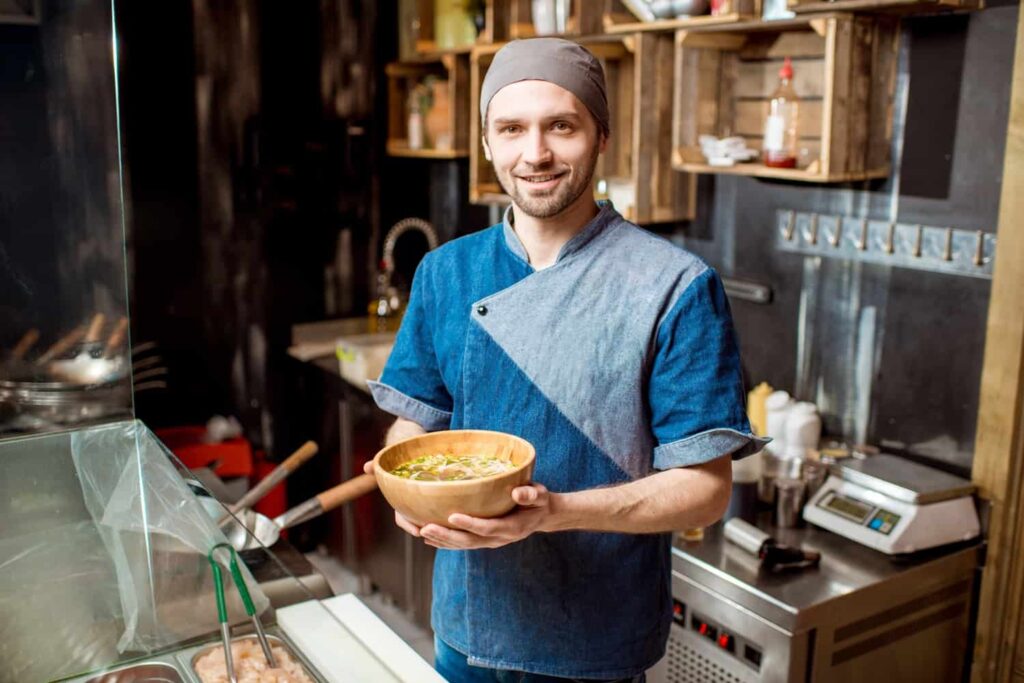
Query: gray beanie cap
x=562 y=62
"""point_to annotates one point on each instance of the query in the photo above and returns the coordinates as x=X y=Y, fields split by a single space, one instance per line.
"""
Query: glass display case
x=108 y=548
x=64 y=356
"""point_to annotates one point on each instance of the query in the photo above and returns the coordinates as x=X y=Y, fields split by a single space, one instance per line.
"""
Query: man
x=611 y=351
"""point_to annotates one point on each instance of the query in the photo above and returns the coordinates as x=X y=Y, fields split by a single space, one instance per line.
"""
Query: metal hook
x=790 y=227
x=890 y=238
x=862 y=243
x=918 y=241
x=812 y=238
x=947 y=252
x=834 y=240
x=979 y=251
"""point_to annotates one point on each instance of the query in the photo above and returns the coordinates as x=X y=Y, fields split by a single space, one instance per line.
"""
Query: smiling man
x=611 y=351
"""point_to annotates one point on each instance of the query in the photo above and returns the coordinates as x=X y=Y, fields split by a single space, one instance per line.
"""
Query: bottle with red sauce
x=779 y=148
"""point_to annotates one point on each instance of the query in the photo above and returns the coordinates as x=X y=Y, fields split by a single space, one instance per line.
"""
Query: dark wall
x=891 y=355
x=157 y=73
x=250 y=147
x=60 y=204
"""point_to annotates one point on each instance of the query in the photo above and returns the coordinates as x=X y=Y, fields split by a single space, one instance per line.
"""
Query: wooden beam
x=999 y=445
x=716 y=41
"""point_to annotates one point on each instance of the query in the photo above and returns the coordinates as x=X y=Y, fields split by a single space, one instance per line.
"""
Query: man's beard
x=563 y=196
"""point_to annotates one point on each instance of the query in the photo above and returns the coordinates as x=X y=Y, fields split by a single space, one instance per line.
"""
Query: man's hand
x=468 y=533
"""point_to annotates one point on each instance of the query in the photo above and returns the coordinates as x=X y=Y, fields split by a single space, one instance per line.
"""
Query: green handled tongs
x=222 y=610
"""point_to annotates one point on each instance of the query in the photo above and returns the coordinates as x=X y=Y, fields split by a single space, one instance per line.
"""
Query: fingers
x=368 y=467
x=453 y=539
x=475 y=525
x=406 y=526
x=530 y=496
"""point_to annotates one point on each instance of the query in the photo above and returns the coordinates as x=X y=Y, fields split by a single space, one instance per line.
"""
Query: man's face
x=544 y=145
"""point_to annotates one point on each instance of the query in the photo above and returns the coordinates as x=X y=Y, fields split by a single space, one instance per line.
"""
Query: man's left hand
x=468 y=533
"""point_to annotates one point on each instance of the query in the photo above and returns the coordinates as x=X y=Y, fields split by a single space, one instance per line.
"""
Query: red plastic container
x=234 y=455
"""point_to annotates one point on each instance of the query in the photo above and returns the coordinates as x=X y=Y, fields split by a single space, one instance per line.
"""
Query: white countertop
x=348 y=643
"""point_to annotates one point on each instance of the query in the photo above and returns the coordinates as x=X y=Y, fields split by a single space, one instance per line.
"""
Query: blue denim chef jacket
x=616 y=361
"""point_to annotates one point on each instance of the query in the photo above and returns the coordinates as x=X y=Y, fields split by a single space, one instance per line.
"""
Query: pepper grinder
x=773 y=556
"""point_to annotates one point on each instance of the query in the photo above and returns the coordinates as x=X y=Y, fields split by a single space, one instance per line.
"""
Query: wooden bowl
x=433 y=501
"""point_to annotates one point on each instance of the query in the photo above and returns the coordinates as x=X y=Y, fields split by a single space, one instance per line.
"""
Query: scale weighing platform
x=895 y=505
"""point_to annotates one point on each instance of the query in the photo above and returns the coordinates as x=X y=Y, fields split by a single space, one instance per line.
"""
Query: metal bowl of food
x=249 y=662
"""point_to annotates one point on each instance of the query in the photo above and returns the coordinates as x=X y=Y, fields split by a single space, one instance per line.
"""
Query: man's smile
x=542 y=181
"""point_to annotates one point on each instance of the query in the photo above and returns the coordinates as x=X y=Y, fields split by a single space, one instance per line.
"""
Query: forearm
x=672 y=500
x=402 y=429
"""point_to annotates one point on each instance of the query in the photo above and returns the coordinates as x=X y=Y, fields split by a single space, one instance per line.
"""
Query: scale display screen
x=850 y=508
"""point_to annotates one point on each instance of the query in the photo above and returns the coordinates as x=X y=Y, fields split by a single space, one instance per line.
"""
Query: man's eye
x=509 y=130
x=562 y=126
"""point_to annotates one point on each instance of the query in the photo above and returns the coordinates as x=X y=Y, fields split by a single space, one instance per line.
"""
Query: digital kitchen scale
x=894 y=505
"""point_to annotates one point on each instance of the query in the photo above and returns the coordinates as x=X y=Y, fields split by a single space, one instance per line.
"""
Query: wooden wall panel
x=999 y=447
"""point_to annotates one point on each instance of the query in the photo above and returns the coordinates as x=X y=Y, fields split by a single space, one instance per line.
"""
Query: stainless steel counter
x=798 y=600
x=861 y=615
x=393 y=561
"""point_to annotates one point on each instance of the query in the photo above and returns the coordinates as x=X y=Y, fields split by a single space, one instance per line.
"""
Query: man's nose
x=536 y=151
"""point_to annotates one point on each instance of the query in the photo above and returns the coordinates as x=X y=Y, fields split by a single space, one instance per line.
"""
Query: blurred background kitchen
x=211 y=212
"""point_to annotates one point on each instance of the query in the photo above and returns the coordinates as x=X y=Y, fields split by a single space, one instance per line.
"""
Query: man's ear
x=487 y=149
x=603 y=145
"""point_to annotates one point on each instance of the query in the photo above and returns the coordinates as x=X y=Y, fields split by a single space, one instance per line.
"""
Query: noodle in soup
x=442 y=467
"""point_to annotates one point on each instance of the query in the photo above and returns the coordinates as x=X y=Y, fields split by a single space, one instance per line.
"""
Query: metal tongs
x=222 y=610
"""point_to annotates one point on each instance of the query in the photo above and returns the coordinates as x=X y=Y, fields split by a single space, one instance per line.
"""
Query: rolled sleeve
x=696 y=387
x=705 y=446
x=411 y=385
x=392 y=401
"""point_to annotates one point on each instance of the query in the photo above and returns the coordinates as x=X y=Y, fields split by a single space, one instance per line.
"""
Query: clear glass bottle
x=779 y=148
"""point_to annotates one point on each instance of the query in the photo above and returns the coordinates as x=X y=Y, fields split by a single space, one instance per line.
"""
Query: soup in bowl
x=429 y=477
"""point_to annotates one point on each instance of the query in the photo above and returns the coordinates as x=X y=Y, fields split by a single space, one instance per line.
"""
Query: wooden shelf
x=400 y=148
x=901 y=7
x=584 y=18
x=504 y=20
x=452 y=128
x=844 y=73
x=428 y=56
x=418 y=32
x=794 y=174
x=20 y=12
x=611 y=25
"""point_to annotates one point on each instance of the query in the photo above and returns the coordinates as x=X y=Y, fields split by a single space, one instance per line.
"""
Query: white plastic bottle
x=803 y=430
x=776 y=408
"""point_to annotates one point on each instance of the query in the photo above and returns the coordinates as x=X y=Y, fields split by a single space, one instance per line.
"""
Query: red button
x=723 y=640
x=703 y=630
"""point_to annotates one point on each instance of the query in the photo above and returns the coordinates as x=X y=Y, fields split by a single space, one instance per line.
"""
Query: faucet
x=387 y=299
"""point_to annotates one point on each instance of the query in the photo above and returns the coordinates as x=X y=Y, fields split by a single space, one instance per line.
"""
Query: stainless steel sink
x=149 y=672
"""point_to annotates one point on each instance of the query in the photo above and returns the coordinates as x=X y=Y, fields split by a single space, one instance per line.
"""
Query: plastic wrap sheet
x=102 y=554
x=157 y=534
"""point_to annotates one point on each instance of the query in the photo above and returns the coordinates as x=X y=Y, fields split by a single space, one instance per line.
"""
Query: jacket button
x=481 y=310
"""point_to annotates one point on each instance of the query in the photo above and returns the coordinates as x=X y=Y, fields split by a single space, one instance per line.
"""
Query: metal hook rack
x=904 y=245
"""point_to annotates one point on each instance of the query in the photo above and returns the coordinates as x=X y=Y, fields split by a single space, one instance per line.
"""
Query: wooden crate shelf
x=453 y=72
x=503 y=20
x=616 y=19
x=637 y=163
x=899 y=7
x=424 y=37
x=585 y=18
x=844 y=73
